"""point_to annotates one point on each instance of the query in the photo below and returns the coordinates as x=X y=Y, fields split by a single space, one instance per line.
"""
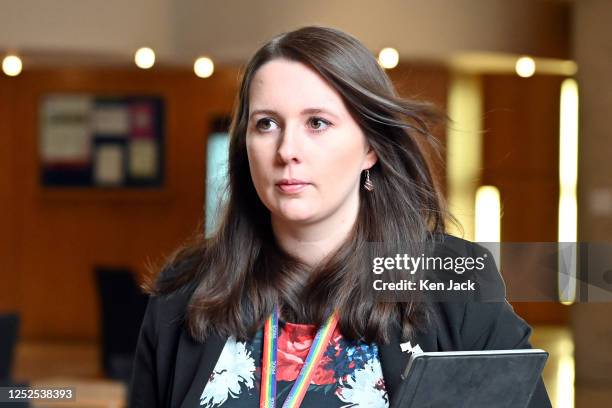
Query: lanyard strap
x=269 y=366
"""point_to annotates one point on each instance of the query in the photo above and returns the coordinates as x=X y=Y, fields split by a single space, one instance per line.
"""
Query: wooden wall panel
x=9 y=276
x=521 y=158
x=62 y=233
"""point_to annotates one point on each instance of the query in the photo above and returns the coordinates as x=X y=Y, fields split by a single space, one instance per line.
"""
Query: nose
x=290 y=146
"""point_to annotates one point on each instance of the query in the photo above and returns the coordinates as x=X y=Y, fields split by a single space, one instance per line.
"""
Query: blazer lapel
x=194 y=364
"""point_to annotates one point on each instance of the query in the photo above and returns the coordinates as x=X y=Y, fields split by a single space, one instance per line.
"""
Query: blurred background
x=113 y=120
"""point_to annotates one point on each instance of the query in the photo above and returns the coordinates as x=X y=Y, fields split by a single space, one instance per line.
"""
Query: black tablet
x=470 y=379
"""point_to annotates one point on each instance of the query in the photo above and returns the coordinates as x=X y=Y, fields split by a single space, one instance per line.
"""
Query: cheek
x=345 y=157
x=339 y=173
x=260 y=163
x=260 y=148
x=340 y=165
x=254 y=153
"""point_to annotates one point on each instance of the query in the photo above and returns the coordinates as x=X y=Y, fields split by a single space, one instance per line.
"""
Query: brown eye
x=265 y=124
x=319 y=124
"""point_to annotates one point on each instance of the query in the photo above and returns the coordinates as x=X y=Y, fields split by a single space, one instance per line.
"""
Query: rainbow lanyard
x=268 y=374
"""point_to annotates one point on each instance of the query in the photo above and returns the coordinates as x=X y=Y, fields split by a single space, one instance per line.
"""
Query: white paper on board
x=108 y=169
x=111 y=120
x=66 y=128
x=143 y=158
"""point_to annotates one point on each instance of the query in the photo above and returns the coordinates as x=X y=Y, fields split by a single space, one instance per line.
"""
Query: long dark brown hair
x=239 y=273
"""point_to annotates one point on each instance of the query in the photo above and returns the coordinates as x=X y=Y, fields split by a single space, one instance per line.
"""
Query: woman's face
x=306 y=152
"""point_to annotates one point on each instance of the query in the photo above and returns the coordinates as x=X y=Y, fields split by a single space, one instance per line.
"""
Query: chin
x=297 y=215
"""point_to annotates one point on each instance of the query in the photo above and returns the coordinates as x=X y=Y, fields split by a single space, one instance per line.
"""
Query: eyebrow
x=308 y=111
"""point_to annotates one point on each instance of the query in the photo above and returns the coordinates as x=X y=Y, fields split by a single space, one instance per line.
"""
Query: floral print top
x=348 y=375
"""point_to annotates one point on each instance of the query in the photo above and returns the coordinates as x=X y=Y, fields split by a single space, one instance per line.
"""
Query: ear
x=370 y=159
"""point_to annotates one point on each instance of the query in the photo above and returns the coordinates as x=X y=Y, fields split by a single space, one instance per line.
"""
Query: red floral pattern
x=294 y=343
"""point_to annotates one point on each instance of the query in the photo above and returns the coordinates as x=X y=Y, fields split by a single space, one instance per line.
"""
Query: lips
x=292 y=186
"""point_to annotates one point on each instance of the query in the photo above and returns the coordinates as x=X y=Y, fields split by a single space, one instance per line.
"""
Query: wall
x=521 y=158
x=418 y=29
x=55 y=237
x=231 y=30
x=591 y=322
x=99 y=30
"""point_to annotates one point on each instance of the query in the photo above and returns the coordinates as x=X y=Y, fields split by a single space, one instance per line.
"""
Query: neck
x=312 y=242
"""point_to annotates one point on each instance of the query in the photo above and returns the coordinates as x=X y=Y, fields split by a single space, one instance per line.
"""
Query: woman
x=325 y=158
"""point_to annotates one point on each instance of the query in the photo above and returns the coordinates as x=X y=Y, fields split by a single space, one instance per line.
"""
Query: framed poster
x=101 y=141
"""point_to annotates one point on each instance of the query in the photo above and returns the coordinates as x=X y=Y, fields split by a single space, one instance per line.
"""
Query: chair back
x=9 y=329
x=122 y=307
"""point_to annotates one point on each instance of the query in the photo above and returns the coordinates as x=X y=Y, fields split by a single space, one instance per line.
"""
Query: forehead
x=282 y=84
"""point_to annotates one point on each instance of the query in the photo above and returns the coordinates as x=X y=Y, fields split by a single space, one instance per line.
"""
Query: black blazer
x=171 y=369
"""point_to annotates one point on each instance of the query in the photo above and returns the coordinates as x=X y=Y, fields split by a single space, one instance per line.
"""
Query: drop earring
x=368 y=185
